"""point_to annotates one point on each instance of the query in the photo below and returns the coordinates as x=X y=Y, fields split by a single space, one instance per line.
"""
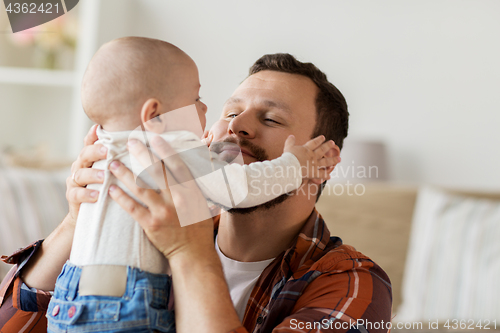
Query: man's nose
x=242 y=125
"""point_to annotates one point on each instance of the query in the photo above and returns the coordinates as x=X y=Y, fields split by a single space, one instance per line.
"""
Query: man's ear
x=149 y=111
x=333 y=152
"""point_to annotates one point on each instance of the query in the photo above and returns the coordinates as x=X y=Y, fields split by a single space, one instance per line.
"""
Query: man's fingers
x=142 y=153
x=324 y=148
x=91 y=136
x=172 y=161
x=126 y=176
x=314 y=143
x=150 y=163
x=81 y=194
x=83 y=177
x=161 y=147
x=135 y=209
x=88 y=156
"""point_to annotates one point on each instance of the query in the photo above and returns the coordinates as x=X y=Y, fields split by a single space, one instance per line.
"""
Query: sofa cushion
x=453 y=259
x=376 y=220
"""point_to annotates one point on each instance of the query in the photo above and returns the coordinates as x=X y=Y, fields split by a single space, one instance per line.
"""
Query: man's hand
x=82 y=174
x=317 y=158
x=43 y=268
x=200 y=290
x=160 y=220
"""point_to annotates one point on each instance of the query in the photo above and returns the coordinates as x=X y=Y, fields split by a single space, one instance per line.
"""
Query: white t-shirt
x=241 y=277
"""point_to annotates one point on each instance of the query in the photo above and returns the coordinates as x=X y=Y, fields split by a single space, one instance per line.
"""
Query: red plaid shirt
x=317 y=285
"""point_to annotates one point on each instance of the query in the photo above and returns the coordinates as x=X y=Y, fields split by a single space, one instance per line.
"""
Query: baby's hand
x=311 y=156
x=207 y=138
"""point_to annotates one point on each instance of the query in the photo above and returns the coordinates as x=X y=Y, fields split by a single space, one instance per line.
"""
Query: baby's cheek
x=202 y=115
x=203 y=122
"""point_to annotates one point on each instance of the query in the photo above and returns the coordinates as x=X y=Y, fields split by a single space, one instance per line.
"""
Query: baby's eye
x=198 y=99
x=232 y=115
x=271 y=120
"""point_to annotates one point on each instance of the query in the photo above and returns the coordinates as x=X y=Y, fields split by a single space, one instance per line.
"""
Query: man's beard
x=265 y=206
x=260 y=155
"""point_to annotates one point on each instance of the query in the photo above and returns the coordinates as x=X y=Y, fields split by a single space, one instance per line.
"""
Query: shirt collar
x=309 y=243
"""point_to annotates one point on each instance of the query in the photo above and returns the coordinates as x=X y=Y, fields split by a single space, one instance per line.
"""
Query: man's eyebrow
x=233 y=100
x=267 y=102
x=276 y=105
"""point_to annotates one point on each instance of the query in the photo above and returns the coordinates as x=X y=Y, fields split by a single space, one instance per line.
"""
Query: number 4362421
x=470 y=324
x=32 y=8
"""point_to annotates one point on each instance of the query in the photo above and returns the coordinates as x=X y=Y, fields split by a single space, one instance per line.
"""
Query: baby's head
x=132 y=80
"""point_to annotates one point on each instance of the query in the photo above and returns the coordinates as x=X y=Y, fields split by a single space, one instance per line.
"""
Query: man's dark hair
x=332 y=118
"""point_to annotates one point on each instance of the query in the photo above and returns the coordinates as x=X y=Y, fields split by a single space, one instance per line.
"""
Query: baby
x=140 y=88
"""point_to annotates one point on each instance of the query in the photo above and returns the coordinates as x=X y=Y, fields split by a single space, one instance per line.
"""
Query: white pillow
x=453 y=264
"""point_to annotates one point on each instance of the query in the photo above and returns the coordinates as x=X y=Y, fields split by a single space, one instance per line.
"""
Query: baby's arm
x=268 y=180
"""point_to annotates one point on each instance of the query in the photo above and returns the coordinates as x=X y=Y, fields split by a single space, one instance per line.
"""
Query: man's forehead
x=271 y=80
x=267 y=102
x=276 y=84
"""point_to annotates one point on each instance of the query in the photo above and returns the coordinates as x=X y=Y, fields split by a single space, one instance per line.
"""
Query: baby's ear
x=150 y=113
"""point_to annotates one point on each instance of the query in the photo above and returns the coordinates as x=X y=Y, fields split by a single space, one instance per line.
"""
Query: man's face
x=265 y=109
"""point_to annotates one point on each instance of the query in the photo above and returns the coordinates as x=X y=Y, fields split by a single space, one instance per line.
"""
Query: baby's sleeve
x=235 y=185
x=265 y=180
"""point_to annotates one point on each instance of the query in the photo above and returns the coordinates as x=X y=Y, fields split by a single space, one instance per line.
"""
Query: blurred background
x=421 y=79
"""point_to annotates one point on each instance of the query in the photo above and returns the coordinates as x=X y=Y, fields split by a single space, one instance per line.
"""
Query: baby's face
x=187 y=92
x=187 y=118
x=180 y=107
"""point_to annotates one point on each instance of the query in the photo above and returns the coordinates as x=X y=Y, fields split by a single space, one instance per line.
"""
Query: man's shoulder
x=318 y=253
x=347 y=283
x=335 y=255
x=343 y=258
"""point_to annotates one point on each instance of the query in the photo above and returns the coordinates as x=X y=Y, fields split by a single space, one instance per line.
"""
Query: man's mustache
x=258 y=152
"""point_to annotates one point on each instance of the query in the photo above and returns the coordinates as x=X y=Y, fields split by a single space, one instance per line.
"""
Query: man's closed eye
x=272 y=121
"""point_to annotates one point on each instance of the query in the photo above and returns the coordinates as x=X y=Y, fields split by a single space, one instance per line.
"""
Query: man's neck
x=263 y=234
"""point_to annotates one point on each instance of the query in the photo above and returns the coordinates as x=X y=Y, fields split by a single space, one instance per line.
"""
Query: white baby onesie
x=106 y=235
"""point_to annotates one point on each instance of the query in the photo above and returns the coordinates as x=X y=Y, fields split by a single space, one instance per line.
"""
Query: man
x=310 y=282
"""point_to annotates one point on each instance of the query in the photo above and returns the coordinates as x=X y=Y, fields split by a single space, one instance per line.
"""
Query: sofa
x=378 y=223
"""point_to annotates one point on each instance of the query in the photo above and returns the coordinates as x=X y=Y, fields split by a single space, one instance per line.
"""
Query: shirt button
x=55 y=310
x=260 y=320
x=71 y=311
